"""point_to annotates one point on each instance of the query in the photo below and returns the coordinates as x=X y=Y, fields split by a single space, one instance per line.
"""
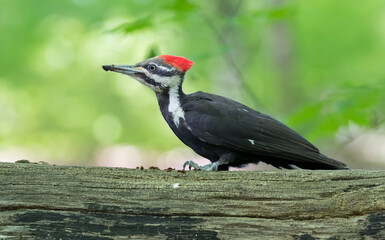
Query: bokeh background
x=318 y=66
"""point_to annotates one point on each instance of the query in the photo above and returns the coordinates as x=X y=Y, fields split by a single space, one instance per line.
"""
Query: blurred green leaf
x=153 y=52
x=181 y=6
x=281 y=12
x=130 y=27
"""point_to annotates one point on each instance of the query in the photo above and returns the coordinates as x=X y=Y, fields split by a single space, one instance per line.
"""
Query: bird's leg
x=209 y=167
x=223 y=160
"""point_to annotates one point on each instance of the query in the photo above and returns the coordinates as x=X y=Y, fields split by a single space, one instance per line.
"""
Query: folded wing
x=224 y=122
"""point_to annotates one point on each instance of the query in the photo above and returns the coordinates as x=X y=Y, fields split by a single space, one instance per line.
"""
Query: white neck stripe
x=174 y=106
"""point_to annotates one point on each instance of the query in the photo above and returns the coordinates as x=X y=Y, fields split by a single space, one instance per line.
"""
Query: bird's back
x=226 y=123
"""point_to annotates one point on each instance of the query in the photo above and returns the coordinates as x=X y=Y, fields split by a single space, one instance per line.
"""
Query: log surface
x=64 y=202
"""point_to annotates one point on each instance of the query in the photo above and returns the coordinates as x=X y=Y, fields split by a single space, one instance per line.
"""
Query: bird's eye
x=152 y=67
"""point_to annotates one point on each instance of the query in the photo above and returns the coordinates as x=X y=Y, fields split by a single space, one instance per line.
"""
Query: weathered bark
x=62 y=202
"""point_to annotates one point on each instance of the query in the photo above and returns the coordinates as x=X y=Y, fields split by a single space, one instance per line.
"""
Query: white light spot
x=174 y=106
x=242 y=110
x=252 y=141
x=175 y=185
x=293 y=166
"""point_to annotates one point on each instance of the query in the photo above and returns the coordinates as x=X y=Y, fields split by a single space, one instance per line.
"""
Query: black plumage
x=224 y=131
x=221 y=126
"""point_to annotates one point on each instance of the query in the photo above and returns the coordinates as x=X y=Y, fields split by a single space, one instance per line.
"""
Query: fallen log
x=67 y=202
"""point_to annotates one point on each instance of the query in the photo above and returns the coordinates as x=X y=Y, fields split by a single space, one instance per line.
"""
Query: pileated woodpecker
x=224 y=131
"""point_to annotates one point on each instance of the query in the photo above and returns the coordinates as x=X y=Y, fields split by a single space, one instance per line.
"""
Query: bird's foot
x=209 y=167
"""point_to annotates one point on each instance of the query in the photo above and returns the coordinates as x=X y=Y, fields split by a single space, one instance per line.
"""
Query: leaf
x=275 y=13
x=154 y=51
x=182 y=6
x=139 y=24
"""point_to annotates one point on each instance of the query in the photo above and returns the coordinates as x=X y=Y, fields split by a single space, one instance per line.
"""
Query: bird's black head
x=159 y=73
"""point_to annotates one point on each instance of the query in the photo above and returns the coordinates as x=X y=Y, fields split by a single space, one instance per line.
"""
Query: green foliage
x=139 y=24
x=316 y=65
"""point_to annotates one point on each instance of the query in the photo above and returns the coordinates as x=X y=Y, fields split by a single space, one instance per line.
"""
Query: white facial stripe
x=161 y=68
x=167 y=81
x=174 y=106
x=154 y=88
x=165 y=68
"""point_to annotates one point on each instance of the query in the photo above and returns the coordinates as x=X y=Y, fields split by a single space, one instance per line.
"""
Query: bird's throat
x=174 y=104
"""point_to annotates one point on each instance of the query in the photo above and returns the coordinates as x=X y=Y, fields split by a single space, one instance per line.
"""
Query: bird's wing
x=223 y=122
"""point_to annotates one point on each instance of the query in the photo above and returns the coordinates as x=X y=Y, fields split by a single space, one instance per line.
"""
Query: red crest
x=181 y=63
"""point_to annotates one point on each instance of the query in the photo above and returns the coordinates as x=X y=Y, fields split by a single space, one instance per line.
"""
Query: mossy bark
x=64 y=202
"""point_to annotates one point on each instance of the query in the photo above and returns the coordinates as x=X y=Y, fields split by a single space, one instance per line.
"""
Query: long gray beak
x=125 y=69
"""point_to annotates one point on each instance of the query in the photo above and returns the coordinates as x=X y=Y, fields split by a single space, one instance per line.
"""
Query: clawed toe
x=208 y=167
x=191 y=164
